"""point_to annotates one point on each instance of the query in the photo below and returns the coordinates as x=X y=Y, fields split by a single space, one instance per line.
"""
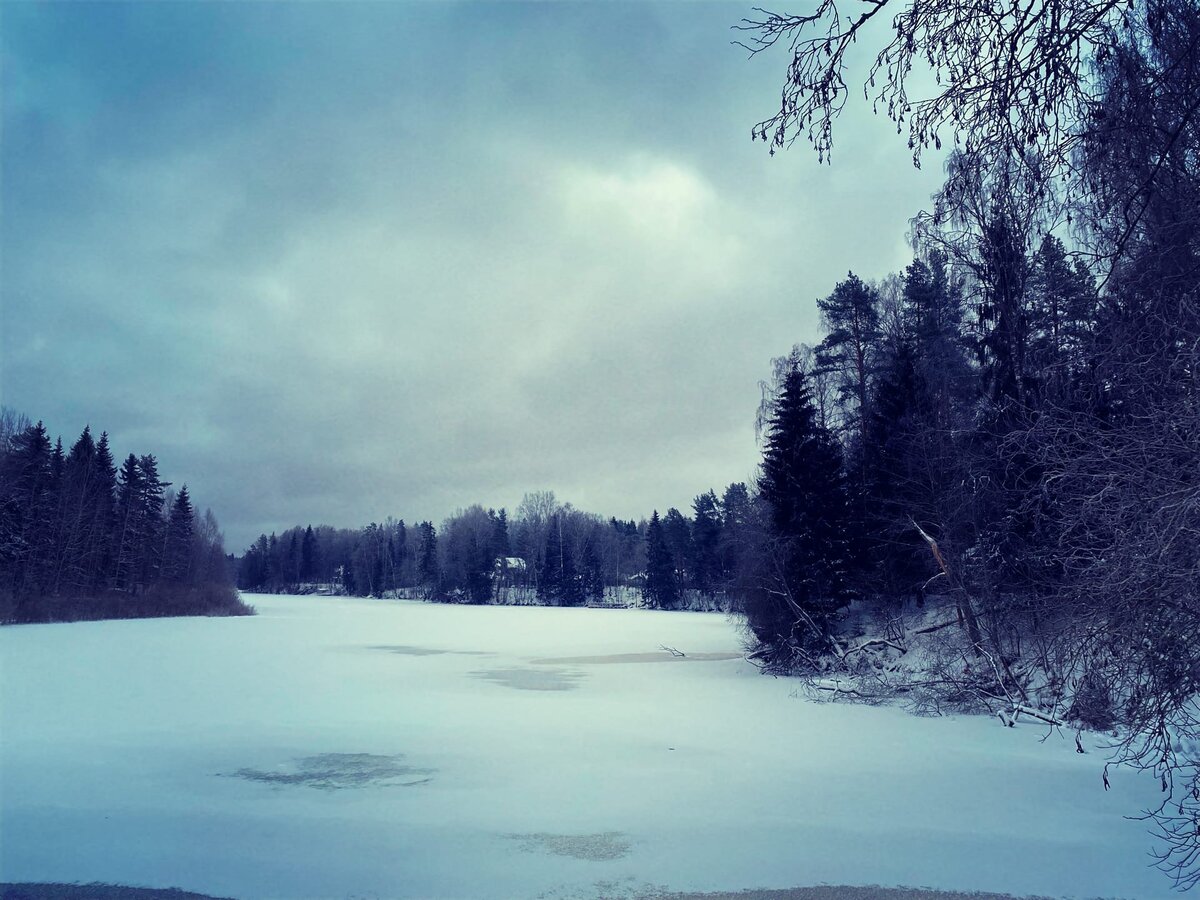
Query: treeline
x=549 y=553
x=905 y=424
x=81 y=538
x=999 y=425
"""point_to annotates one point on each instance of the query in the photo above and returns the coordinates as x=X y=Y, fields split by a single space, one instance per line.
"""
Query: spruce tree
x=571 y=583
x=478 y=568
x=399 y=553
x=130 y=525
x=802 y=484
x=153 y=524
x=661 y=589
x=253 y=568
x=293 y=559
x=427 y=558
x=26 y=539
x=1003 y=319
x=273 y=578
x=933 y=309
x=592 y=576
x=260 y=573
x=550 y=578
x=177 y=555
x=678 y=533
x=52 y=558
x=898 y=483
x=76 y=499
x=308 y=556
x=104 y=525
x=501 y=548
x=73 y=476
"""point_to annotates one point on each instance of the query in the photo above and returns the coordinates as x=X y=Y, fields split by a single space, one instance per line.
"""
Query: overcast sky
x=334 y=262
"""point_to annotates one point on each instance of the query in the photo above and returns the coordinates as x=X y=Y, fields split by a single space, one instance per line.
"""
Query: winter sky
x=332 y=262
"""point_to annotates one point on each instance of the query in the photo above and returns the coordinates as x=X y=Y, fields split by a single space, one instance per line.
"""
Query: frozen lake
x=335 y=748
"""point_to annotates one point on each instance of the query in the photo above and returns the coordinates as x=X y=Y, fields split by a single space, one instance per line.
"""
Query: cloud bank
x=334 y=262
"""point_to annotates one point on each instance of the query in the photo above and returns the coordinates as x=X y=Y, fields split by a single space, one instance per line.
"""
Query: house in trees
x=509 y=573
x=509 y=570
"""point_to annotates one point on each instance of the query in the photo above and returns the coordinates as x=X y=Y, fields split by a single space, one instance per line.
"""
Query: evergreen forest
x=84 y=538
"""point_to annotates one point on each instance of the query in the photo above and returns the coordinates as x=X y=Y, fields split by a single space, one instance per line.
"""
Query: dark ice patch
x=524 y=679
x=339 y=771
x=406 y=650
x=659 y=656
x=606 y=845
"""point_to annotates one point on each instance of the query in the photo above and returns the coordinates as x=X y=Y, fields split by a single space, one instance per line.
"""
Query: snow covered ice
x=334 y=748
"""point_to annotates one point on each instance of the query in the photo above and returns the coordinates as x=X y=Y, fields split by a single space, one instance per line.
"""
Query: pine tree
x=706 y=540
x=1062 y=309
x=851 y=316
x=735 y=520
x=661 y=589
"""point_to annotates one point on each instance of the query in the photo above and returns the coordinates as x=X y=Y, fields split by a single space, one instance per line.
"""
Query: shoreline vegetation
x=155 y=603
x=95 y=891
x=98 y=891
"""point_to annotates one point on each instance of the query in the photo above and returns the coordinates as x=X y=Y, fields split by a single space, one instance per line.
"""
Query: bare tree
x=1007 y=77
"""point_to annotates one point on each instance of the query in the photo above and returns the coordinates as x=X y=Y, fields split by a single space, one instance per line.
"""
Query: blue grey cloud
x=333 y=262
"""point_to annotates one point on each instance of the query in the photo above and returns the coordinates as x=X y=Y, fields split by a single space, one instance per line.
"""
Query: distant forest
x=81 y=538
x=549 y=552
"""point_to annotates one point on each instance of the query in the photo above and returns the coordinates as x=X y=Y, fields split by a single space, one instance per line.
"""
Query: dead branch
x=874 y=642
x=836 y=687
x=929 y=629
